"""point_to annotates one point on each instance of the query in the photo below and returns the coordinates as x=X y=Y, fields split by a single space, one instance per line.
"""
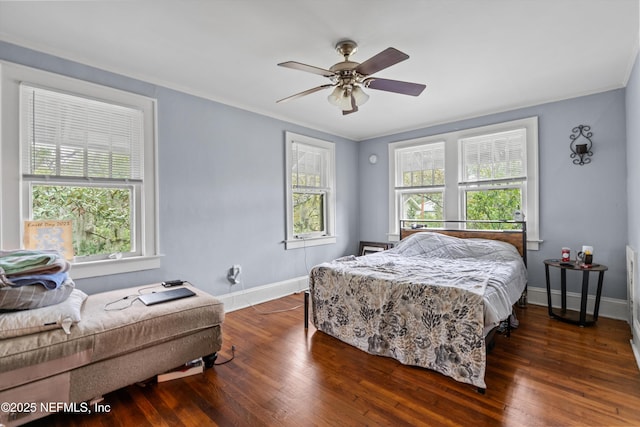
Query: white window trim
x=454 y=203
x=291 y=241
x=11 y=198
x=403 y=190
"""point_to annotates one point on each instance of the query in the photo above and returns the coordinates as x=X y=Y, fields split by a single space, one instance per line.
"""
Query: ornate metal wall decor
x=581 y=151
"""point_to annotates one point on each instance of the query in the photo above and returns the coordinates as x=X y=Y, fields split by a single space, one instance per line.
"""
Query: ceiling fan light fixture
x=360 y=96
x=340 y=98
x=335 y=96
x=345 y=101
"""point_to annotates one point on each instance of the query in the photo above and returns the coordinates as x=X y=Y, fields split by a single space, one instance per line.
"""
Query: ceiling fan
x=348 y=77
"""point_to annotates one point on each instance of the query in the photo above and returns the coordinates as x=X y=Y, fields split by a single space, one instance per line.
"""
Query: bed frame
x=514 y=232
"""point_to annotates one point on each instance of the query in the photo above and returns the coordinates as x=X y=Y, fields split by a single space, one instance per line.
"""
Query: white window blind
x=495 y=157
x=421 y=166
x=311 y=191
x=70 y=136
x=308 y=166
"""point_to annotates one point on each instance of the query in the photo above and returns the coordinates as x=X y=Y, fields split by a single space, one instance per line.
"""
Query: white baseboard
x=259 y=294
x=609 y=307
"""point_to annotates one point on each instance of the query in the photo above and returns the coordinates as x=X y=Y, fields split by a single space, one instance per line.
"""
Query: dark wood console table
x=579 y=318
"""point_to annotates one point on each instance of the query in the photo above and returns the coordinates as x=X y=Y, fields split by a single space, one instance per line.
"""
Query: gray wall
x=212 y=215
x=221 y=189
x=578 y=204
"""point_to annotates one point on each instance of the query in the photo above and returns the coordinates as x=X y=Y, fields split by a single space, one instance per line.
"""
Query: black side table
x=581 y=318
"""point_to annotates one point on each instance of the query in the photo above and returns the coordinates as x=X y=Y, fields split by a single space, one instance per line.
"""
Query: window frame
x=292 y=239
x=465 y=184
x=417 y=191
x=455 y=190
x=16 y=188
x=401 y=189
x=487 y=186
x=135 y=189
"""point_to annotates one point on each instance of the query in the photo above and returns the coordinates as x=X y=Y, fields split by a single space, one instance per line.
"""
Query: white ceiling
x=475 y=56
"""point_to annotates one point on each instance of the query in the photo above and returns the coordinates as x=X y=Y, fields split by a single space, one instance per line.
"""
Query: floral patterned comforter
x=420 y=302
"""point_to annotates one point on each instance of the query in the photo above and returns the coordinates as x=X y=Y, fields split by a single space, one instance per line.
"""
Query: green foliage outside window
x=493 y=205
x=308 y=213
x=101 y=216
x=423 y=206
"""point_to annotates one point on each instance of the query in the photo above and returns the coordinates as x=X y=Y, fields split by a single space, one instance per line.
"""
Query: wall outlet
x=233 y=273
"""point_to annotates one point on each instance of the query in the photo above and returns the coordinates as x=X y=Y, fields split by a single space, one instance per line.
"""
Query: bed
x=434 y=300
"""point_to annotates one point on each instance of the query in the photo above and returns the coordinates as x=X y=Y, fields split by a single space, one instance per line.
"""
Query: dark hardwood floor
x=547 y=374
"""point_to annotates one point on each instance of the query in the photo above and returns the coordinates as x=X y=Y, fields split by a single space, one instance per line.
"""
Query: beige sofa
x=118 y=341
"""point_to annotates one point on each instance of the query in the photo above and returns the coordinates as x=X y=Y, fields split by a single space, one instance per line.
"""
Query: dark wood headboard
x=514 y=232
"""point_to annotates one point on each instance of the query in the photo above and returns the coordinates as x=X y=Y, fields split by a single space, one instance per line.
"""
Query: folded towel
x=57 y=266
x=21 y=260
x=49 y=281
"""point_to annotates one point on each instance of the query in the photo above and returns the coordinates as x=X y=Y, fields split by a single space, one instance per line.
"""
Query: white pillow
x=56 y=316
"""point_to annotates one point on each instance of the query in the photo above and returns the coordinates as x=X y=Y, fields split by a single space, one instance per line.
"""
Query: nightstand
x=579 y=318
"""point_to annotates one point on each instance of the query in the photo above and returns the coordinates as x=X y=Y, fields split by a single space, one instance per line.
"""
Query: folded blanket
x=21 y=262
x=49 y=281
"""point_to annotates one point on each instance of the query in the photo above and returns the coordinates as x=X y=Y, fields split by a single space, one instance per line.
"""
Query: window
x=420 y=181
x=67 y=142
x=483 y=173
x=494 y=175
x=86 y=153
x=310 y=191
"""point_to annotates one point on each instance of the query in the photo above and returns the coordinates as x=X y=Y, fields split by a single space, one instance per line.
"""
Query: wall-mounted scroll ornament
x=581 y=145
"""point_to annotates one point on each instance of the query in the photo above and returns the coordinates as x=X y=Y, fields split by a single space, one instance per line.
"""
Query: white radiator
x=633 y=291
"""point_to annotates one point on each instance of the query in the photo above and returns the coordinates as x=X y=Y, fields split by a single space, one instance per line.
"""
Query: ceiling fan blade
x=397 y=86
x=308 y=68
x=388 y=57
x=306 y=92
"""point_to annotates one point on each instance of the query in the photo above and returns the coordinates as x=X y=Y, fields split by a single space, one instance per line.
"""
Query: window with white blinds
x=495 y=157
x=482 y=173
x=310 y=186
x=421 y=166
x=70 y=136
x=308 y=166
x=85 y=153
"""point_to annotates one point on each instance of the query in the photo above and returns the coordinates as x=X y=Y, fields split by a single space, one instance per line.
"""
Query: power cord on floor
x=263 y=313
x=275 y=311
x=233 y=356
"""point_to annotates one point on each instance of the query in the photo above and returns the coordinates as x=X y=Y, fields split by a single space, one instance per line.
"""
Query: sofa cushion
x=139 y=326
